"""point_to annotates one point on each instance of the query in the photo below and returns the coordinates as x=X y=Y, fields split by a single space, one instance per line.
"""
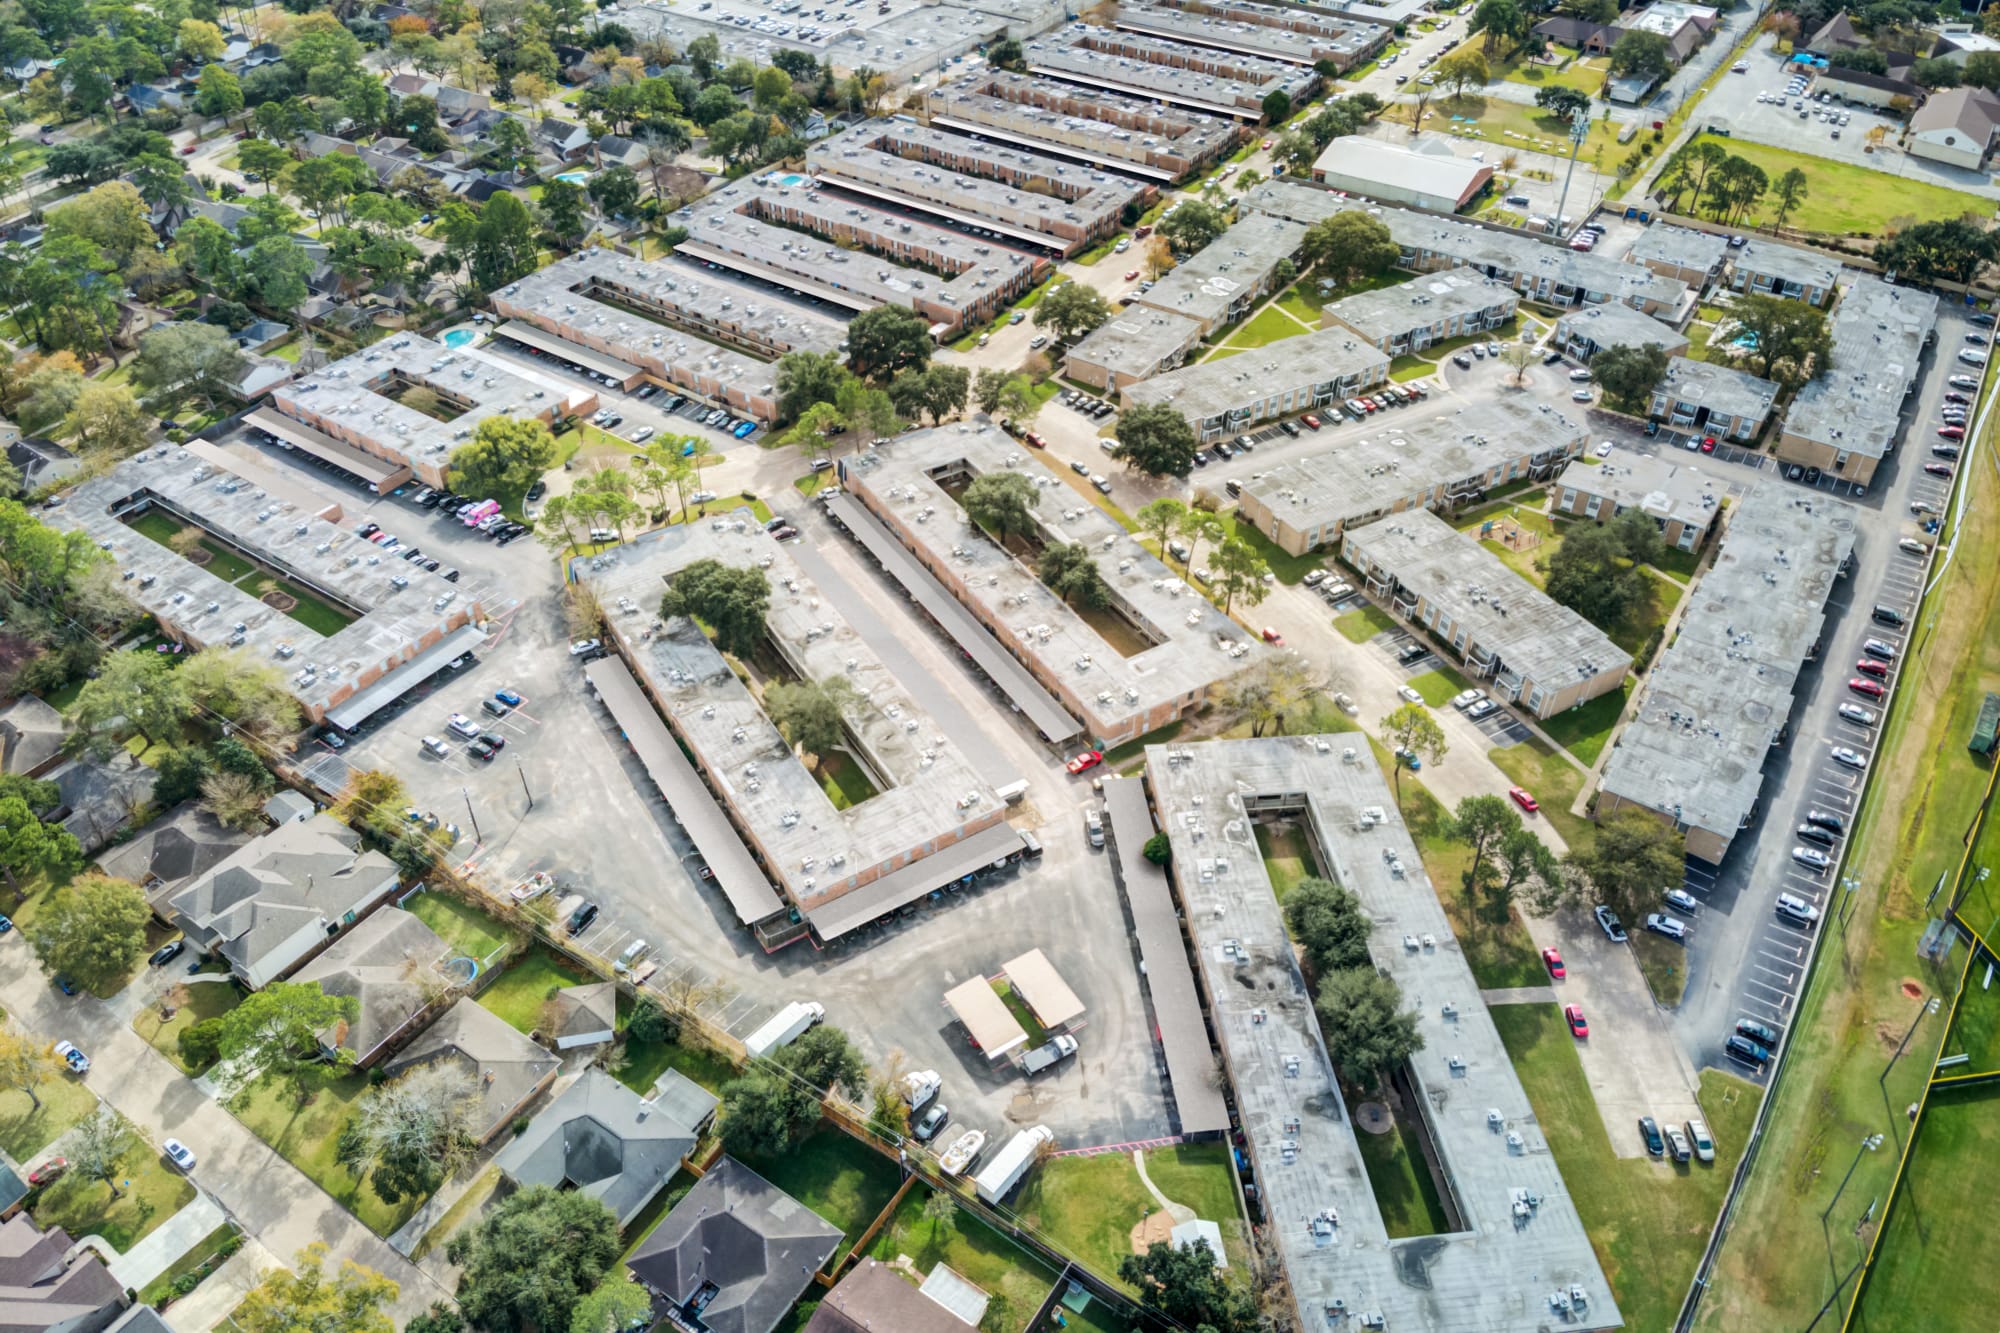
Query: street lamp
x=1579 y=130
x=467 y=793
x=1869 y=1144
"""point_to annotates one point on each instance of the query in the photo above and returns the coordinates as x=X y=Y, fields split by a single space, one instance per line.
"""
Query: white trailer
x=784 y=1027
x=999 y=1176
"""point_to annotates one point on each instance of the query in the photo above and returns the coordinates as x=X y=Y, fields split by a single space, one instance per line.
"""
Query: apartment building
x=1708 y=398
x=1681 y=497
x=1293 y=375
x=1140 y=138
x=1274 y=32
x=1767 y=268
x=1848 y=418
x=1133 y=345
x=1410 y=316
x=1224 y=280
x=1216 y=82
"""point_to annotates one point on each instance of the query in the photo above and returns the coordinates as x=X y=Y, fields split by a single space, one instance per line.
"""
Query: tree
x=133 y=691
x=1368 y=1031
x=304 y=1299
x=1789 y=192
x=812 y=713
x=112 y=217
x=1185 y=1285
x=812 y=429
x=615 y=191
x=1628 y=375
x=1735 y=185
x=1415 y=731
x=1464 y=68
x=1598 y=579
x=1864 y=59
x=1633 y=858
x=986 y=387
x=1019 y=403
x=1002 y=503
x=1329 y=924
x=936 y=391
x=1501 y=21
x=1156 y=439
x=107 y=422
x=1279 y=687
x=562 y=209
x=1239 y=573
x=1349 y=246
x=1523 y=864
x=825 y=1058
x=1641 y=53
x=1068 y=310
x=1954 y=249
x=235 y=799
x=505 y=454
x=1793 y=340
x=271 y=163
x=1192 y=224
x=1937 y=74
x=1159 y=849
x=220 y=93
x=97 y=1147
x=1198 y=526
x=619 y=1303
x=939 y=1207
x=277 y=1028
x=805 y=378
x=411 y=1134
x=185 y=360
x=1277 y=107
x=275 y=272
x=761 y=1112
x=30 y=847
x=1069 y=570
x=24 y=1063
x=503 y=242
x=888 y=339
x=1160 y=519
x=731 y=601
x=1982 y=70
x=1563 y=102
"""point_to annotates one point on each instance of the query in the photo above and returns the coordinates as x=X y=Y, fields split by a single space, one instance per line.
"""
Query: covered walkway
x=898 y=888
x=381 y=474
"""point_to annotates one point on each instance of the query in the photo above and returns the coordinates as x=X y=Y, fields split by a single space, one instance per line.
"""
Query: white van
x=1796 y=909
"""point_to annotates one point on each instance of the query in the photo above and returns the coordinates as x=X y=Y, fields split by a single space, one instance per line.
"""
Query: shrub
x=1158 y=850
x=651 y=1023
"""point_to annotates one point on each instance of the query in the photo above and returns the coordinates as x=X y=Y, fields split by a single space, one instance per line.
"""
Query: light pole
x=524 y=782
x=1869 y=1144
x=1579 y=130
x=476 y=834
x=1848 y=883
x=1929 y=1006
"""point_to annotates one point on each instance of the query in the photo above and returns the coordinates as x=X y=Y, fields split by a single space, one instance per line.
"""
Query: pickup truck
x=1053 y=1052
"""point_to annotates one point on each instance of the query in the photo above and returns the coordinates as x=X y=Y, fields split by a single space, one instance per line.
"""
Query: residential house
x=615 y=150
x=272 y=904
x=1685 y=27
x=735 y=1254
x=602 y=1139
x=510 y=1070
x=289 y=807
x=13 y=1189
x=324 y=145
x=583 y=1016
x=1770 y=269
x=1713 y=399
x=454 y=104
x=146 y=97
x=389 y=965
x=31 y=737
x=875 y=1298
x=565 y=140
x=101 y=796
x=50 y=1284
x=40 y=462
x=1955 y=127
x=250 y=57
x=1834 y=38
x=165 y=855
x=261 y=333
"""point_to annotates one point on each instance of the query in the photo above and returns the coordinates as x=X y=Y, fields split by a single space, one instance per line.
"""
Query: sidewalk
x=210 y=1303
x=165 y=1245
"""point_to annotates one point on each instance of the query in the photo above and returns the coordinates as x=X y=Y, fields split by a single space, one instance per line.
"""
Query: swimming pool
x=791 y=182
x=459 y=337
x=574 y=177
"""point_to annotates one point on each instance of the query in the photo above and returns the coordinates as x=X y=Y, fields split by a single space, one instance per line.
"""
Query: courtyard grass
x=836 y=1175
x=1404 y=1189
x=1648 y=1220
x=1406 y=368
x=26 y=1130
x=301 y=1116
x=1499 y=953
x=522 y=990
x=1553 y=781
x=149 y=1192
x=1018 y=1007
x=1088 y=1205
x=1363 y=623
x=470 y=932
x=1583 y=75
x=1016 y=1280
x=1585 y=730
x=1844 y=198
x=1440 y=685
x=1268 y=326
x=1288 y=567
x=1287 y=858
x=205 y=1000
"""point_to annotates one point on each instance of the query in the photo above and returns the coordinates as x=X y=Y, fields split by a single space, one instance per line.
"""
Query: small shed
x=1197 y=1229
x=1035 y=979
x=992 y=1028
x=585 y=1015
x=1985 y=729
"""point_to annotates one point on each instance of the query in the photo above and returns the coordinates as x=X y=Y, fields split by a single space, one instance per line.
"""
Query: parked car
x=1649 y=1131
x=48 y=1171
x=932 y=1123
x=1812 y=859
x=1872 y=688
x=1662 y=924
x=1552 y=959
x=1521 y=798
x=1683 y=901
x=1573 y=1015
x=583 y=647
x=580 y=919
x=1749 y=1052
x=78 y=1062
x=1087 y=759
x=1849 y=757
x=1859 y=716
x=166 y=953
x=1677 y=1144
x=1827 y=820
x=1409 y=694
x=463 y=725
x=1607 y=921
x=179 y=1154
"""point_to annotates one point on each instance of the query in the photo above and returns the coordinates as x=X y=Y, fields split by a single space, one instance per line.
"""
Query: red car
x=1872 y=667
x=1088 y=759
x=1035 y=441
x=188 y=151
x=1708 y=444
x=1872 y=688
x=1312 y=422
x=1554 y=960
x=1272 y=636
x=1133 y=274
x=1938 y=469
x=47 y=1171
x=1952 y=432
x=1522 y=799
x=1573 y=1015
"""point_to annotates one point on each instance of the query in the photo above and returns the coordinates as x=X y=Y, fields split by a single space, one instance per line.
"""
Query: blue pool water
x=574 y=177
x=790 y=182
x=459 y=337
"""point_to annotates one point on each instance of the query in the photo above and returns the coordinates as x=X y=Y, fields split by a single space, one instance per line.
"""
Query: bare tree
x=414 y=1132
x=96 y=1145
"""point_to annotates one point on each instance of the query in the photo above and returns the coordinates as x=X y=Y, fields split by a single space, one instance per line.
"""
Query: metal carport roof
x=994 y=1030
x=1163 y=953
x=949 y=864
x=738 y=875
x=1046 y=994
x=1001 y=666
x=381 y=473
x=622 y=371
x=365 y=703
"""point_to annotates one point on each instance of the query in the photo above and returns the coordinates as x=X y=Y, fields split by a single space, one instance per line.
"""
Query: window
x=1535 y=700
x=1590 y=508
x=1569 y=497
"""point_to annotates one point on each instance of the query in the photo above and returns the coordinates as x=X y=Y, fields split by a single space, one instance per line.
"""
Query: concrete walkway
x=209 y=1304
x=165 y=1244
x=1180 y=1212
x=1520 y=995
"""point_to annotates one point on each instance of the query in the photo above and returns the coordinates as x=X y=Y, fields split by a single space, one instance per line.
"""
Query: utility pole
x=476 y=834
x=1579 y=130
x=524 y=782
x=1868 y=1145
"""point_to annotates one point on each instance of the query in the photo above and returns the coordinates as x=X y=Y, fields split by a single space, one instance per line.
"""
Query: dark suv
x=580 y=919
x=1649 y=1130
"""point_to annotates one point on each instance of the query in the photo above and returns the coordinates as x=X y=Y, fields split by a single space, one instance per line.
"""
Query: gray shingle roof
x=600 y=1138
x=388 y=964
x=507 y=1065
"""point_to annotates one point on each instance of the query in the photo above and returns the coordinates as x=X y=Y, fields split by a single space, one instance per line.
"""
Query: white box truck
x=999 y=1176
x=784 y=1027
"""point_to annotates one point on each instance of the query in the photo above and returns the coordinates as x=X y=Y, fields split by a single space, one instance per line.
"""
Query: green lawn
x=1845 y=199
x=521 y=991
x=1088 y=1205
x=150 y=1192
x=205 y=1000
x=1663 y=963
x=1289 y=568
x=836 y=1175
x=308 y=1136
x=1552 y=780
x=1933 y=1269
x=1499 y=953
x=1132 y=749
x=1504 y=528
x=1406 y=368
x=638 y=1064
x=203 y=1258
x=1287 y=859
x=1016 y=1280
x=1585 y=730
x=1363 y=623
x=1648 y=1220
x=25 y=1131
x=1271 y=324
x=1975 y=1030
x=312 y=612
x=845 y=782
x=1439 y=686
x=811 y=482
x=470 y=932
x=1404 y=1189
x=1585 y=76
x=1508 y=125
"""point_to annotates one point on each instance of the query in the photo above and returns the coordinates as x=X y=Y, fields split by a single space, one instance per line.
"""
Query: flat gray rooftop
x=1536 y=636
x=1498 y=1272
x=1616 y=324
x=1856 y=404
x=1133 y=341
x=1426 y=457
x=1171 y=71
x=1681 y=247
x=1718 y=388
x=1657 y=485
x=1300 y=36
x=906 y=39
x=1203 y=285
x=728 y=226
x=1714 y=701
x=1213 y=388
x=1787 y=262
x=1121 y=132
x=929 y=794
x=394 y=624
x=1425 y=299
x=1193 y=644
x=966 y=180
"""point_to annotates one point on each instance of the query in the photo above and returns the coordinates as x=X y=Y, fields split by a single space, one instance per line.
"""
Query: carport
x=901 y=887
x=736 y=873
x=378 y=474
x=621 y=373
x=992 y=1029
x=1048 y=997
x=363 y=704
